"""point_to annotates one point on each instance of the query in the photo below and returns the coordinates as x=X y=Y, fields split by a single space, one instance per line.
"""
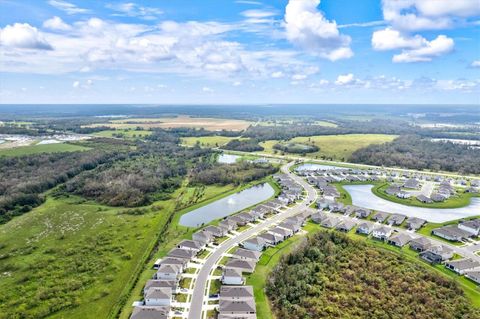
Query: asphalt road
x=199 y=296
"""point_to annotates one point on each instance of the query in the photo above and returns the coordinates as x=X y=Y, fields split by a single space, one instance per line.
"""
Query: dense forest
x=333 y=276
x=238 y=173
x=23 y=179
x=417 y=153
x=296 y=148
x=247 y=145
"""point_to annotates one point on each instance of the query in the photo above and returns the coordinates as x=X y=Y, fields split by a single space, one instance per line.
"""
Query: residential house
x=228 y=224
x=437 y=197
x=158 y=296
x=242 y=265
x=399 y=240
x=182 y=253
x=414 y=223
x=232 y=276
x=271 y=238
x=337 y=208
x=345 y=225
x=393 y=190
x=237 y=219
x=192 y=245
x=203 y=237
x=380 y=217
x=365 y=228
x=152 y=283
x=411 y=183
x=404 y=195
x=145 y=312
x=382 y=232
x=182 y=263
x=237 y=308
x=362 y=212
x=318 y=217
x=473 y=275
x=255 y=243
x=437 y=254
x=420 y=244
x=451 y=232
x=396 y=219
x=324 y=203
x=471 y=226
x=424 y=199
x=330 y=222
x=460 y=266
x=246 y=254
x=216 y=231
x=282 y=232
x=293 y=227
x=168 y=272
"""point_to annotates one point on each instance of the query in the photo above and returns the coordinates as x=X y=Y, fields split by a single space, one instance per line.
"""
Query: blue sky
x=243 y=51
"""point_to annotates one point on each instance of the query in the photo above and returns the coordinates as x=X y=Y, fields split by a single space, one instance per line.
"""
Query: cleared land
x=129 y=134
x=335 y=147
x=207 y=141
x=42 y=148
x=210 y=124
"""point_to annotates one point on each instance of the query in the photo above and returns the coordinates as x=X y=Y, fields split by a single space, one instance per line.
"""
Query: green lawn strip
x=181 y=297
x=456 y=201
x=185 y=283
x=214 y=287
x=42 y=148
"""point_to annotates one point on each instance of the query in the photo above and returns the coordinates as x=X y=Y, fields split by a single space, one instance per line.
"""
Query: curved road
x=199 y=297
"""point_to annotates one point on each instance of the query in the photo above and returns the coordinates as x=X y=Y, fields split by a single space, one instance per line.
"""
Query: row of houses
x=237 y=301
x=460 y=232
x=412 y=223
x=429 y=251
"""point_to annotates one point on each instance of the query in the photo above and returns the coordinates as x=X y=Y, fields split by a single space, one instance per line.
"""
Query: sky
x=240 y=51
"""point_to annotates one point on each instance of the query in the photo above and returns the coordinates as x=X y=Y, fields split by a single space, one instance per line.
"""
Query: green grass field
x=128 y=134
x=42 y=148
x=207 y=141
x=88 y=254
x=456 y=201
x=334 y=147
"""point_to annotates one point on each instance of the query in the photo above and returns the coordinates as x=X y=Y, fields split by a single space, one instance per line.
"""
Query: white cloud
x=67 y=7
x=76 y=84
x=307 y=27
x=475 y=64
x=23 y=36
x=255 y=13
x=430 y=49
x=412 y=15
x=345 y=79
x=390 y=39
x=56 y=23
x=131 y=9
x=277 y=74
x=206 y=89
x=299 y=77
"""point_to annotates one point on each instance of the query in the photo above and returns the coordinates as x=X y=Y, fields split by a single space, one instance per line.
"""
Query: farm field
x=42 y=148
x=79 y=250
x=207 y=141
x=335 y=147
x=210 y=124
x=129 y=134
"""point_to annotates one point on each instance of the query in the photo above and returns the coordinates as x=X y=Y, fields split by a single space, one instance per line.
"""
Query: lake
x=316 y=167
x=362 y=196
x=227 y=158
x=227 y=205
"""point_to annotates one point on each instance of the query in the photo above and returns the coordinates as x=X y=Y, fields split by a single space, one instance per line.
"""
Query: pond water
x=227 y=158
x=316 y=167
x=362 y=196
x=227 y=205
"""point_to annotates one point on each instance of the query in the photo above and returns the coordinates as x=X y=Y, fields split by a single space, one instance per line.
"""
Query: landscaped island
x=333 y=276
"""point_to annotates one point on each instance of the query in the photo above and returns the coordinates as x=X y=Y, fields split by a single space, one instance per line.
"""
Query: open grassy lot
x=207 y=141
x=128 y=134
x=455 y=201
x=335 y=147
x=85 y=257
x=42 y=148
x=210 y=124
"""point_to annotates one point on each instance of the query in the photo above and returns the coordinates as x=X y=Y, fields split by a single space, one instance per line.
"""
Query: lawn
x=456 y=201
x=210 y=124
x=128 y=134
x=334 y=147
x=207 y=141
x=42 y=148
